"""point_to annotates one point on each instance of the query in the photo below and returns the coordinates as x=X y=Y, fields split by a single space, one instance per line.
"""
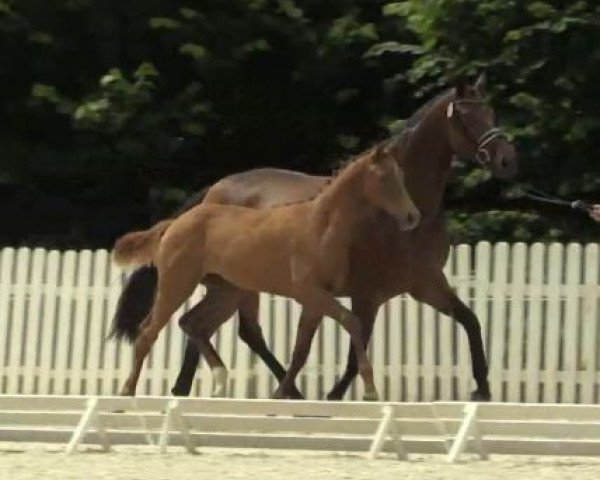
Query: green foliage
x=115 y=111
x=543 y=62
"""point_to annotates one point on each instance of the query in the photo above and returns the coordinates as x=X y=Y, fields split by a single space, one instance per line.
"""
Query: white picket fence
x=539 y=306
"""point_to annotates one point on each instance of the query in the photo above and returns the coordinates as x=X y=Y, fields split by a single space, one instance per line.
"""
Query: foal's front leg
x=366 y=310
x=327 y=303
x=307 y=326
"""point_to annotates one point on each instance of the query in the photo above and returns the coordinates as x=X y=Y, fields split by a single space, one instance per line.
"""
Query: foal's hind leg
x=219 y=304
x=440 y=296
x=216 y=303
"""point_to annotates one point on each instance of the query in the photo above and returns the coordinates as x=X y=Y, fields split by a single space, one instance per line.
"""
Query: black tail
x=135 y=303
x=137 y=297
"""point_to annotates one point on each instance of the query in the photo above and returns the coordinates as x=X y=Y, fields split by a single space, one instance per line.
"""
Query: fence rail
x=539 y=306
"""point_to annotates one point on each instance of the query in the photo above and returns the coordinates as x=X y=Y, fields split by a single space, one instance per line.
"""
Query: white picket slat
x=34 y=320
x=515 y=321
x=396 y=342
x=377 y=351
x=98 y=330
x=463 y=273
x=411 y=368
x=552 y=317
x=17 y=326
x=243 y=372
x=65 y=317
x=6 y=283
x=534 y=335
x=447 y=332
x=571 y=322
x=49 y=320
x=590 y=330
x=428 y=342
x=264 y=379
x=202 y=371
x=498 y=319
x=80 y=319
x=114 y=374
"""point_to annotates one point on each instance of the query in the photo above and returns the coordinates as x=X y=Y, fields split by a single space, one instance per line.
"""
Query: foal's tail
x=137 y=296
x=139 y=248
x=135 y=303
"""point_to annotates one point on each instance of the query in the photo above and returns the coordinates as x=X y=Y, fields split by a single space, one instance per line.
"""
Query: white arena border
x=448 y=428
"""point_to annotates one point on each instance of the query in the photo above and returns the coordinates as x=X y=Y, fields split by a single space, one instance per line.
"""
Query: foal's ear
x=379 y=153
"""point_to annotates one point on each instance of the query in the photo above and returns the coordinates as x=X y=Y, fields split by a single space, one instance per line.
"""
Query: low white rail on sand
x=448 y=428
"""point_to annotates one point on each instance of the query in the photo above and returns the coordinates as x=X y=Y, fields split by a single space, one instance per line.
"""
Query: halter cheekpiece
x=482 y=156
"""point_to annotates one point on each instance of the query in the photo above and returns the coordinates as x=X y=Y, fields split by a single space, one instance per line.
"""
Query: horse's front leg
x=438 y=293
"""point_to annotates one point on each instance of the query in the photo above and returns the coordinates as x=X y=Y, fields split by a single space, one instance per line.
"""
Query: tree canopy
x=114 y=112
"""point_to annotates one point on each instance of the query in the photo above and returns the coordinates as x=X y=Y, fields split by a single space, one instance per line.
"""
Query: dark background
x=113 y=112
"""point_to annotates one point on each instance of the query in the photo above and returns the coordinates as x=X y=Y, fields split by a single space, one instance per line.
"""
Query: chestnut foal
x=300 y=251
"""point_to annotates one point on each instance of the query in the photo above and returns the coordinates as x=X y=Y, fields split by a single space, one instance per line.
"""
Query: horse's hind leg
x=440 y=296
x=251 y=333
x=219 y=304
x=170 y=295
x=366 y=310
x=191 y=359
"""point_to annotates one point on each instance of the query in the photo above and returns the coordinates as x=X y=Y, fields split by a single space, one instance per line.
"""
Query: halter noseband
x=482 y=156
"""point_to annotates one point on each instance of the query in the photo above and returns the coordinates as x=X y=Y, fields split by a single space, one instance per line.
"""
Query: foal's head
x=473 y=133
x=384 y=187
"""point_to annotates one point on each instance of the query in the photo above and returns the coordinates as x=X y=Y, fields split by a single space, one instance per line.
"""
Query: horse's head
x=384 y=187
x=474 y=134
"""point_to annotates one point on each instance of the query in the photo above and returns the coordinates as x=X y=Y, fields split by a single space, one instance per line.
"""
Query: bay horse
x=385 y=262
x=301 y=251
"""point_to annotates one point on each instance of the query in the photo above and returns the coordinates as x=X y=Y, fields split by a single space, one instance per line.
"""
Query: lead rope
x=543 y=197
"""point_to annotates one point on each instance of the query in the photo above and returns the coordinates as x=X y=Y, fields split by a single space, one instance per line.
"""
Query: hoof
x=479 y=396
x=127 y=392
x=287 y=394
x=219 y=375
x=294 y=394
x=371 y=396
x=277 y=395
x=335 y=395
x=179 y=393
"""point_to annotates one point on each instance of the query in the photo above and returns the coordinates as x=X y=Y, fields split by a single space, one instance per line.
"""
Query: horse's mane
x=424 y=109
x=395 y=141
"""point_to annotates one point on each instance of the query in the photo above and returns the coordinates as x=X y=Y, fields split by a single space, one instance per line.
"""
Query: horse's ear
x=461 y=86
x=481 y=84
